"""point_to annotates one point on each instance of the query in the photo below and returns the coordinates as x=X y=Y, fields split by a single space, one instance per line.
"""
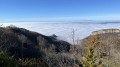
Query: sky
x=59 y=10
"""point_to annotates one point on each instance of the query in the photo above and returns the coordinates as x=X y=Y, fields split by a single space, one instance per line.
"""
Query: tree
x=90 y=57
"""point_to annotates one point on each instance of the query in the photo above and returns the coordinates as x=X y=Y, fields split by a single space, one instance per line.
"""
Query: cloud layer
x=64 y=30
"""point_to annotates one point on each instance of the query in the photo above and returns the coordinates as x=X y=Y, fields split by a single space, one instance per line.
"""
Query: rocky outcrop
x=105 y=31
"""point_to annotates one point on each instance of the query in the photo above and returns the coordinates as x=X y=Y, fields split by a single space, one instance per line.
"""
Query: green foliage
x=11 y=62
x=90 y=57
x=7 y=61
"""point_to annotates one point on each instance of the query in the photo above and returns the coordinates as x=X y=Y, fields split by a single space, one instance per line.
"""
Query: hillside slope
x=22 y=43
x=110 y=49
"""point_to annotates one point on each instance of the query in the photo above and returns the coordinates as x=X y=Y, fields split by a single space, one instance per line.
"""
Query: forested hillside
x=23 y=48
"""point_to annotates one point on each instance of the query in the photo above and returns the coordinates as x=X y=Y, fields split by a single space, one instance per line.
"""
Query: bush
x=11 y=62
x=31 y=63
x=7 y=61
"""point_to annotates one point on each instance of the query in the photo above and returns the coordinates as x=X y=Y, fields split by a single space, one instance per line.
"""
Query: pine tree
x=90 y=56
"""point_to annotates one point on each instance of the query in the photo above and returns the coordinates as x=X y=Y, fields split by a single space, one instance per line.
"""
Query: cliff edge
x=105 y=31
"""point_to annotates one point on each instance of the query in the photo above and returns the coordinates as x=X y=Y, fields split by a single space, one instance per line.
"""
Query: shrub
x=31 y=63
x=7 y=61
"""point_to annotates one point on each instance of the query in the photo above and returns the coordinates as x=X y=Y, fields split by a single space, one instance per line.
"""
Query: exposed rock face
x=105 y=31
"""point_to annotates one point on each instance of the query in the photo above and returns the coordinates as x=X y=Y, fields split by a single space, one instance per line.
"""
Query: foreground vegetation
x=12 y=62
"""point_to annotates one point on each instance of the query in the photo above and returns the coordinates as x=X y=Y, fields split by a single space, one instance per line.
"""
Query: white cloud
x=63 y=30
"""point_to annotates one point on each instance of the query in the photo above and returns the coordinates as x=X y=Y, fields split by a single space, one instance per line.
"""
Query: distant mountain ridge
x=110 y=22
x=97 y=22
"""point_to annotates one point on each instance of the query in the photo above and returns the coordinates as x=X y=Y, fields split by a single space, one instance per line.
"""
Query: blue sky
x=59 y=10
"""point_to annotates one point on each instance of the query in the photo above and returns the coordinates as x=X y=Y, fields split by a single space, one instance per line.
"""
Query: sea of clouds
x=64 y=30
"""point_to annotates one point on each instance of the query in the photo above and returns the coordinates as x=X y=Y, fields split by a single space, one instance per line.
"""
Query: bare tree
x=73 y=39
